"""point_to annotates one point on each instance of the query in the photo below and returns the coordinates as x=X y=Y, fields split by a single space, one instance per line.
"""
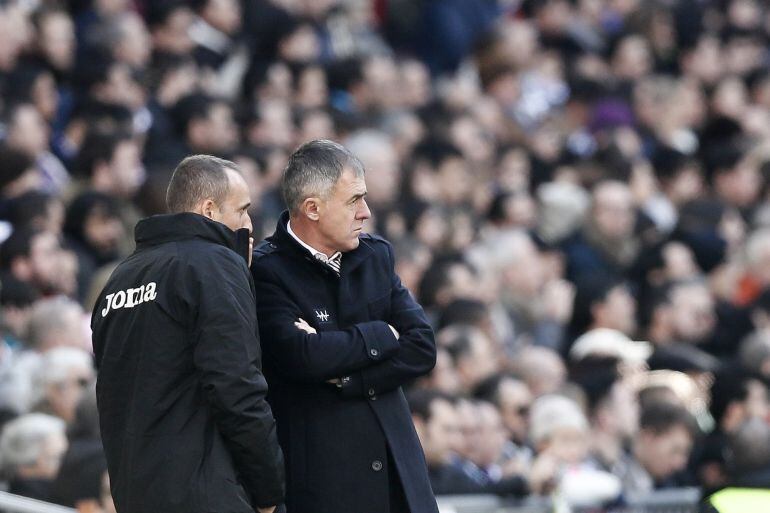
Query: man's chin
x=354 y=243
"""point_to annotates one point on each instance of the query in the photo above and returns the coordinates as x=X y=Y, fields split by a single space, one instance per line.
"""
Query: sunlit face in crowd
x=103 y=230
x=44 y=253
x=127 y=169
x=693 y=315
x=28 y=130
x=493 y=435
x=221 y=130
x=757 y=400
x=174 y=35
x=63 y=396
x=441 y=433
x=444 y=376
x=515 y=401
x=470 y=428
x=664 y=454
x=623 y=410
x=341 y=215
x=613 y=211
x=56 y=39
x=384 y=174
x=569 y=445
x=51 y=453
x=224 y=15
x=618 y=310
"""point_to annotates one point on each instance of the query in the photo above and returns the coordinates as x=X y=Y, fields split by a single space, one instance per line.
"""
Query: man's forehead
x=351 y=182
x=237 y=184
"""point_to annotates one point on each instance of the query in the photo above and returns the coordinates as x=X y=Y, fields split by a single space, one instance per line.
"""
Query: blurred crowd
x=576 y=190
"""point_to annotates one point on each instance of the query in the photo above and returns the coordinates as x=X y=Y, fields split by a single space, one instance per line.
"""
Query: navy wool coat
x=337 y=439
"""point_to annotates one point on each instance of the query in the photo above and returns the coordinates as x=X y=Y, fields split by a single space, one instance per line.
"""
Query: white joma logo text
x=130 y=298
x=322 y=315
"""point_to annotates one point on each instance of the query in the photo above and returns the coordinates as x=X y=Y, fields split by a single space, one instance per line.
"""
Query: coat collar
x=350 y=260
x=159 y=229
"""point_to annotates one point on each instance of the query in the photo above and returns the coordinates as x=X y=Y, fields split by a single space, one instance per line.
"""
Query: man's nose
x=364 y=212
x=247 y=224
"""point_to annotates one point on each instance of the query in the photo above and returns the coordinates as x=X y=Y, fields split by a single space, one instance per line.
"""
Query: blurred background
x=576 y=190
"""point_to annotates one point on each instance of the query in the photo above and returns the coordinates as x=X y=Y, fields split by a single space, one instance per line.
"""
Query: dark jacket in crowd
x=184 y=420
x=450 y=479
x=349 y=448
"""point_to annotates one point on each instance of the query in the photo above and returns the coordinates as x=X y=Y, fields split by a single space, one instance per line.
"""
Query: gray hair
x=23 y=438
x=50 y=318
x=755 y=350
x=314 y=169
x=55 y=367
x=757 y=246
x=552 y=412
x=198 y=178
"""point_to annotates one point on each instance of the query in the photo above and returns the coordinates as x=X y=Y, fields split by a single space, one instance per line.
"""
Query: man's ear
x=311 y=208
x=206 y=208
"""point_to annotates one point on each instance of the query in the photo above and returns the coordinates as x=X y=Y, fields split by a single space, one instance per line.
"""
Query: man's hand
x=395 y=333
x=304 y=326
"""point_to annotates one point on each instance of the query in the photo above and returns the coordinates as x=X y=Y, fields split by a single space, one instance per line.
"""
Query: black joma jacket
x=184 y=420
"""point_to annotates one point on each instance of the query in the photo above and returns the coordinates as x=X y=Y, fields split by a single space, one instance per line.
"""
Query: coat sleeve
x=227 y=355
x=314 y=358
x=416 y=354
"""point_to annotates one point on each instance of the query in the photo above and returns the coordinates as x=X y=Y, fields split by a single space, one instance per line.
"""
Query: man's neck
x=306 y=234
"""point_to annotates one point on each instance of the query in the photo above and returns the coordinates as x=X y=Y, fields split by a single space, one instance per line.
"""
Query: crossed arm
x=378 y=355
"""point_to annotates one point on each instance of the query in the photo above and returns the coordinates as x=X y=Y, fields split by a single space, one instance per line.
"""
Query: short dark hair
x=661 y=417
x=99 y=147
x=595 y=375
x=458 y=340
x=731 y=385
x=18 y=245
x=15 y=164
x=193 y=107
x=463 y=311
x=29 y=208
x=421 y=400
x=197 y=178
x=489 y=389
x=16 y=293
x=313 y=169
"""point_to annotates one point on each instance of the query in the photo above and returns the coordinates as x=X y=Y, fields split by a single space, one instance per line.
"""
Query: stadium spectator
x=31 y=448
x=659 y=450
x=59 y=381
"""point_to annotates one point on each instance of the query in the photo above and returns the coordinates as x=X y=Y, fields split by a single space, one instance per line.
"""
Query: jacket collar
x=159 y=229
x=350 y=260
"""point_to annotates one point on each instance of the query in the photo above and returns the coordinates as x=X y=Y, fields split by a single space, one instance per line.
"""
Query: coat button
x=373 y=352
x=376 y=465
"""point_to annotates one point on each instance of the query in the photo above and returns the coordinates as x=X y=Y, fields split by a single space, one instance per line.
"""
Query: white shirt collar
x=312 y=250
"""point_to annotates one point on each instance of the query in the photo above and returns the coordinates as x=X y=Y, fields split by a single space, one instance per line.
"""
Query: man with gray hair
x=181 y=396
x=31 y=449
x=341 y=334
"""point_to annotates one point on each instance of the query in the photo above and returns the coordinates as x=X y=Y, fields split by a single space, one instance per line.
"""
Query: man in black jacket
x=341 y=334
x=184 y=420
